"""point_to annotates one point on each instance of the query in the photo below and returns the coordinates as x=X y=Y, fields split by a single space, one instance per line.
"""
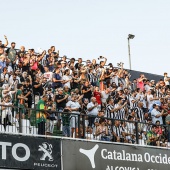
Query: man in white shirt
x=156 y=114
x=73 y=106
x=92 y=110
x=147 y=86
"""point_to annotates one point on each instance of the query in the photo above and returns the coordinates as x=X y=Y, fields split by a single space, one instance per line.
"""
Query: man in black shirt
x=2 y=46
x=86 y=90
x=28 y=94
x=6 y=43
x=61 y=100
x=37 y=88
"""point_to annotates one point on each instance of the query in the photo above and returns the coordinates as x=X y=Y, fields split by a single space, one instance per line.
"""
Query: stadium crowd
x=102 y=94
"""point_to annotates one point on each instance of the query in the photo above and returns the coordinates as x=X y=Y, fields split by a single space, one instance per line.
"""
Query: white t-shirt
x=155 y=112
x=166 y=81
x=73 y=105
x=67 y=78
x=5 y=77
x=93 y=111
x=150 y=103
x=17 y=80
x=48 y=75
x=104 y=96
x=10 y=69
x=147 y=87
x=142 y=99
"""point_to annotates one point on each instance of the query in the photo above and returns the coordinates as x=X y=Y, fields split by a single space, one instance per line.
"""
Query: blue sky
x=89 y=28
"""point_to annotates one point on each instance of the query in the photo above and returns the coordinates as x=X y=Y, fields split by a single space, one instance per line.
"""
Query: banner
x=24 y=152
x=80 y=155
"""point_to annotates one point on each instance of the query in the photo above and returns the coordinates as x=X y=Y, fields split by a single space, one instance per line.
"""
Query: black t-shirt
x=87 y=95
x=2 y=46
x=61 y=104
x=22 y=79
x=21 y=54
x=37 y=90
x=74 y=84
x=27 y=89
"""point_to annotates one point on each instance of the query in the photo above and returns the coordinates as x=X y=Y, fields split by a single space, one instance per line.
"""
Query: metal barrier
x=15 y=120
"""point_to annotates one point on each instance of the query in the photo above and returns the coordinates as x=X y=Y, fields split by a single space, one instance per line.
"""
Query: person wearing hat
x=41 y=115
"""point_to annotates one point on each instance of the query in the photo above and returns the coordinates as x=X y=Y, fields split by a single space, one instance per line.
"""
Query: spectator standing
x=74 y=107
x=4 y=76
x=67 y=78
x=87 y=90
x=97 y=95
x=156 y=114
x=140 y=82
x=37 y=89
x=41 y=115
x=20 y=101
x=11 y=52
x=61 y=101
x=166 y=80
x=6 y=42
x=57 y=79
x=92 y=108
x=152 y=136
x=28 y=94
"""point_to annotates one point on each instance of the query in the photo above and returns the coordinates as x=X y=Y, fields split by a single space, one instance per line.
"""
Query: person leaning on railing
x=152 y=137
x=41 y=115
